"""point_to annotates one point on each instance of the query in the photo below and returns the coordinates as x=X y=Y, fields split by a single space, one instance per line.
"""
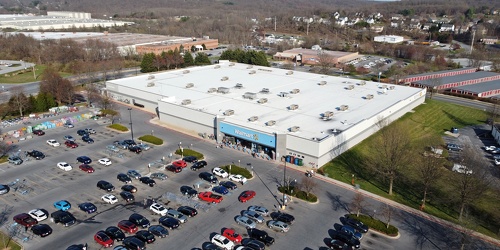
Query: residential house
x=489 y=40
x=370 y=20
x=397 y=17
x=447 y=28
x=427 y=26
x=341 y=21
x=415 y=25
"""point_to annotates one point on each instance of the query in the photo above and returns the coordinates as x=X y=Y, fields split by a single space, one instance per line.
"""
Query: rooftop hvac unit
x=327 y=115
x=252 y=72
x=151 y=77
x=289 y=72
x=253 y=118
x=262 y=100
x=151 y=84
x=369 y=97
x=384 y=86
x=211 y=90
x=189 y=85
x=344 y=107
x=283 y=94
x=223 y=90
x=186 y=101
x=250 y=66
x=350 y=87
x=265 y=91
x=392 y=87
x=231 y=64
x=224 y=78
x=293 y=107
x=295 y=91
x=217 y=67
x=322 y=83
x=185 y=71
x=250 y=95
x=294 y=129
x=271 y=123
x=229 y=112
x=238 y=85
x=362 y=83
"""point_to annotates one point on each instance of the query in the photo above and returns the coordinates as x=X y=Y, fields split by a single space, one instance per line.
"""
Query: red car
x=71 y=144
x=180 y=163
x=210 y=197
x=175 y=169
x=128 y=226
x=38 y=132
x=232 y=235
x=246 y=196
x=87 y=168
x=25 y=220
x=103 y=239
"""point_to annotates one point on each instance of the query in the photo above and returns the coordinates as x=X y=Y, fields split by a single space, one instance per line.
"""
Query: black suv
x=356 y=224
x=206 y=176
x=104 y=185
x=190 y=159
x=123 y=178
x=134 y=148
x=84 y=159
x=63 y=217
x=115 y=233
x=261 y=236
x=284 y=217
x=188 y=211
x=198 y=165
x=188 y=191
x=36 y=154
x=139 y=220
x=127 y=196
x=130 y=142
x=347 y=238
x=133 y=242
x=82 y=132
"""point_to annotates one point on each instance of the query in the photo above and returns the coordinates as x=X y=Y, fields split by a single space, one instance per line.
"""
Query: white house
x=447 y=28
x=388 y=39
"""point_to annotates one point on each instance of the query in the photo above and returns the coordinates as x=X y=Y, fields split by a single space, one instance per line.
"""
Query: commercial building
x=184 y=42
x=304 y=118
x=388 y=39
x=312 y=56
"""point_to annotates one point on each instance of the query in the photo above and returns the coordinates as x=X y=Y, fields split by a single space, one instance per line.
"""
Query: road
x=485 y=106
x=314 y=222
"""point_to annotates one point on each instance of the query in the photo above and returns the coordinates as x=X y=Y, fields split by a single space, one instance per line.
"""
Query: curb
x=302 y=199
x=385 y=235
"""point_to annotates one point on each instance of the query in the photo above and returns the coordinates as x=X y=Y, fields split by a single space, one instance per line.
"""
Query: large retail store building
x=306 y=119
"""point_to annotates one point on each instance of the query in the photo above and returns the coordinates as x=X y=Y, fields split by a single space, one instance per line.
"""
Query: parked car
x=158 y=230
x=123 y=178
x=229 y=185
x=337 y=245
x=133 y=242
x=210 y=197
x=253 y=244
x=158 y=208
x=180 y=163
x=86 y=168
x=42 y=230
x=347 y=238
x=62 y=205
x=144 y=146
x=238 y=178
x=38 y=214
x=135 y=149
x=133 y=174
x=90 y=131
x=16 y=160
x=71 y=144
x=351 y=231
x=253 y=215
x=222 y=242
x=105 y=161
x=88 y=207
x=188 y=211
x=245 y=221
x=4 y=189
x=356 y=224
x=139 y=220
x=38 y=132
x=246 y=195
x=127 y=196
x=84 y=159
x=25 y=220
x=461 y=169
x=128 y=226
x=87 y=139
x=53 y=143
x=198 y=165
x=36 y=154
x=220 y=190
x=177 y=215
x=130 y=142
x=145 y=236
x=82 y=132
x=169 y=222
x=104 y=185
x=190 y=159
x=259 y=209
x=148 y=181
x=115 y=233
x=261 y=235
x=63 y=217
x=189 y=191
x=206 y=176
x=284 y=217
x=453 y=147
x=103 y=239
x=172 y=168
x=64 y=166
x=69 y=138
x=232 y=235
x=69 y=125
x=120 y=144
x=220 y=172
x=129 y=188
x=278 y=226
x=109 y=198
x=158 y=176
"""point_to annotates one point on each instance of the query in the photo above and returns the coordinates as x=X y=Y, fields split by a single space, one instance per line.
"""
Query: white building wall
x=186 y=119
x=124 y=94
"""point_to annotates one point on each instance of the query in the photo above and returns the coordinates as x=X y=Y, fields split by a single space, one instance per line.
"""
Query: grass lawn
x=12 y=244
x=27 y=76
x=428 y=124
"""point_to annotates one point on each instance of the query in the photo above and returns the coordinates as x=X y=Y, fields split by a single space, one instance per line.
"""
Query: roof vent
x=223 y=90
x=295 y=91
x=229 y=112
x=253 y=118
x=384 y=86
x=238 y=85
x=293 y=107
x=250 y=66
x=369 y=97
x=151 y=84
x=185 y=71
x=392 y=87
x=211 y=90
x=271 y=123
x=250 y=95
x=343 y=107
x=252 y=72
x=186 y=101
x=289 y=72
x=189 y=85
x=224 y=78
x=327 y=115
x=265 y=91
x=322 y=83
x=350 y=87
x=362 y=83
x=283 y=94
x=262 y=100
x=217 y=67
x=231 y=64
x=294 y=129
x=151 y=77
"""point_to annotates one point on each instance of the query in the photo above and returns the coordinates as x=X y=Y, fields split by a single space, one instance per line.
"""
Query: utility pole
x=473 y=37
x=274 y=23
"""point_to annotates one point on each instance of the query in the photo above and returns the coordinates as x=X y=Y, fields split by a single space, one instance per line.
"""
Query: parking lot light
x=131 y=128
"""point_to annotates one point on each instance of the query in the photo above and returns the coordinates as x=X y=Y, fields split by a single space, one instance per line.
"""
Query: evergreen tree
x=41 y=102
x=188 y=60
x=202 y=59
x=147 y=64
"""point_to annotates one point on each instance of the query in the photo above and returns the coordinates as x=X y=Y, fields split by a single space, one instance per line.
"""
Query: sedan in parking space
x=190 y=159
x=259 y=209
x=90 y=131
x=337 y=245
x=222 y=242
x=127 y=196
x=220 y=190
x=245 y=221
x=253 y=215
x=133 y=174
x=278 y=226
x=284 y=217
x=145 y=236
x=71 y=144
x=130 y=142
x=103 y=239
x=351 y=231
x=158 y=230
x=169 y=222
x=127 y=226
x=109 y=198
x=188 y=191
x=246 y=196
x=82 y=132
x=38 y=214
x=124 y=178
x=87 y=139
x=148 y=181
x=53 y=143
x=69 y=138
x=115 y=233
x=62 y=205
x=88 y=207
x=86 y=168
x=356 y=224
x=238 y=178
x=36 y=154
x=253 y=244
x=135 y=149
x=129 y=188
x=64 y=166
x=104 y=161
x=139 y=220
x=176 y=215
x=38 y=132
x=84 y=159
x=104 y=185
x=144 y=146
x=158 y=176
x=133 y=242
x=180 y=163
x=209 y=246
x=188 y=211
x=206 y=176
x=198 y=165
x=232 y=235
x=173 y=168
x=347 y=238
x=42 y=230
x=120 y=144
x=220 y=172
x=229 y=185
x=158 y=208
x=25 y=220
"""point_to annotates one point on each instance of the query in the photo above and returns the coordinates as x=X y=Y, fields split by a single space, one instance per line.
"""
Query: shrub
x=118 y=127
x=375 y=224
x=189 y=152
x=151 y=139
x=296 y=192
x=238 y=170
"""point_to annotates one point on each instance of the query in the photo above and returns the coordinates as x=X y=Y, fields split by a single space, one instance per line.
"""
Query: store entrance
x=248 y=146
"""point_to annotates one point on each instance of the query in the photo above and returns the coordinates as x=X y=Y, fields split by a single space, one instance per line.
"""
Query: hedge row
x=376 y=224
x=295 y=192
x=189 y=152
x=238 y=170
x=151 y=139
x=118 y=127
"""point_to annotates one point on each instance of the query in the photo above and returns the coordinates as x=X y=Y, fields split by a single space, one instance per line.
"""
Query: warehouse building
x=312 y=56
x=388 y=39
x=306 y=119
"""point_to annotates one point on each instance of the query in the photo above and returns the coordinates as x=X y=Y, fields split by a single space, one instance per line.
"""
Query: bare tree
x=387 y=212
x=429 y=172
x=93 y=94
x=60 y=88
x=308 y=185
x=358 y=203
x=18 y=99
x=325 y=61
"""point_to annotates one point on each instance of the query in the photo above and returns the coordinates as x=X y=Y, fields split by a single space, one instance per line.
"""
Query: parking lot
x=313 y=227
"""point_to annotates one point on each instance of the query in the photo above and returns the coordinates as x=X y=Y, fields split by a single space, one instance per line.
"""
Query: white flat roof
x=312 y=100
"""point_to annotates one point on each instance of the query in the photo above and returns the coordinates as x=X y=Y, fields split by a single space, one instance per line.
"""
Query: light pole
x=284 y=184
x=379 y=73
x=131 y=128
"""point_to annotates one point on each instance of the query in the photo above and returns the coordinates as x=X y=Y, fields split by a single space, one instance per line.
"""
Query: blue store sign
x=249 y=135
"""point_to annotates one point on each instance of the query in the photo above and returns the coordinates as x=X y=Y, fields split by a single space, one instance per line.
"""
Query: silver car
x=245 y=221
x=259 y=209
x=177 y=215
x=278 y=226
x=253 y=215
x=159 y=176
x=133 y=174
